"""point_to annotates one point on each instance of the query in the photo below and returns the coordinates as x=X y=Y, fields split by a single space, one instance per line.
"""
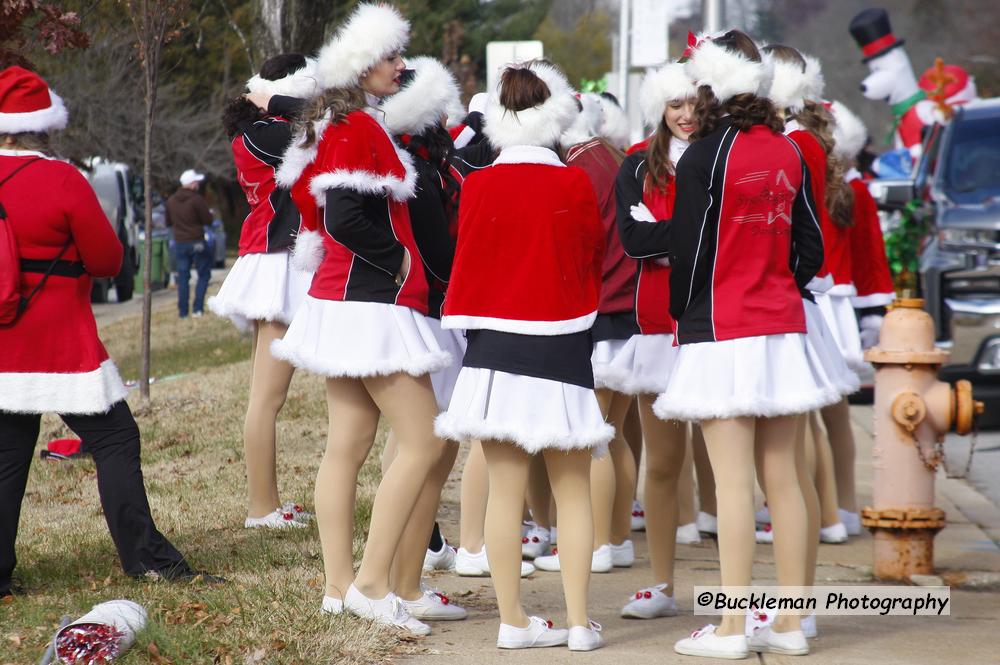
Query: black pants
x=112 y=439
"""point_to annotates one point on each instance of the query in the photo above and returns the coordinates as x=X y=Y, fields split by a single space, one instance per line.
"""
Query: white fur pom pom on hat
x=540 y=125
x=815 y=83
x=849 y=133
x=789 y=85
x=726 y=72
x=615 y=125
x=587 y=123
x=430 y=96
x=301 y=83
x=667 y=84
x=369 y=35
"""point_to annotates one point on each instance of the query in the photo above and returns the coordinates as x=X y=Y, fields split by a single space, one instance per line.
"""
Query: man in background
x=188 y=215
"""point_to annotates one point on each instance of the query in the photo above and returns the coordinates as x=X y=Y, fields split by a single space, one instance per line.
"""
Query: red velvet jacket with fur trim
x=869 y=264
x=530 y=248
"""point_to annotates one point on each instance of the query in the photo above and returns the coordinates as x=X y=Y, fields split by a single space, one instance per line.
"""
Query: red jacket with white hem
x=52 y=358
x=869 y=264
x=530 y=248
x=815 y=158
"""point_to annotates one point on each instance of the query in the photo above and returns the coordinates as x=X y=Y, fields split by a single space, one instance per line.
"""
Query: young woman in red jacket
x=53 y=360
x=641 y=363
x=363 y=324
x=263 y=290
x=742 y=242
x=525 y=286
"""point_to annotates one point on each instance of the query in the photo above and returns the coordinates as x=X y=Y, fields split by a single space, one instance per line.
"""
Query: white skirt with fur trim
x=839 y=314
x=357 y=339
x=531 y=412
x=767 y=375
x=443 y=380
x=638 y=365
x=80 y=393
x=821 y=339
x=261 y=287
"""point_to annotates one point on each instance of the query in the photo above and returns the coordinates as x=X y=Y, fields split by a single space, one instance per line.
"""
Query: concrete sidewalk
x=966 y=555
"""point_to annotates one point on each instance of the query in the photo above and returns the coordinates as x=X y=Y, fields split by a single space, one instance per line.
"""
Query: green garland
x=594 y=85
x=902 y=246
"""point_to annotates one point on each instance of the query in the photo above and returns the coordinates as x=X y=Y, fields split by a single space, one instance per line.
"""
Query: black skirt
x=564 y=358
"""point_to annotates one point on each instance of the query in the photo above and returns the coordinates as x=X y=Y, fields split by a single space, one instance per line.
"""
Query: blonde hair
x=337 y=102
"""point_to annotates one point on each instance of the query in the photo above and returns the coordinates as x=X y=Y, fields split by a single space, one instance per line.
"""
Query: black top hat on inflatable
x=872 y=32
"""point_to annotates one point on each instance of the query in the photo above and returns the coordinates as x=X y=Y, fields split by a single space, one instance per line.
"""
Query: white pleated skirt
x=766 y=376
x=443 y=380
x=843 y=323
x=261 y=287
x=824 y=345
x=530 y=412
x=358 y=339
x=640 y=364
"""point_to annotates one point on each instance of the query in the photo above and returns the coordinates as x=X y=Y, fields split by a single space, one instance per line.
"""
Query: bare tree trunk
x=147 y=259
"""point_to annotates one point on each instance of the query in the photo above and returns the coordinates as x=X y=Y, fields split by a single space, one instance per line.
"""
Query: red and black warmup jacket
x=357 y=187
x=869 y=265
x=619 y=271
x=744 y=237
x=257 y=150
x=644 y=241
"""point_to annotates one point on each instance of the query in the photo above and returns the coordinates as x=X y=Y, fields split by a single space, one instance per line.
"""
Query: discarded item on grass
x=62 y=449
x=102 y=634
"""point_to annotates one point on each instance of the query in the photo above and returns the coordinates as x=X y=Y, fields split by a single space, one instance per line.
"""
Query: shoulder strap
x=18 y=169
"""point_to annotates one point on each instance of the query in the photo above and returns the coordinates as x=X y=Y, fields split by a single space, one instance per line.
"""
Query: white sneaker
x=468 y=564
x=539 y=633
x=851 y=520
x=276 y=519
x=622 y=556
x=603 y=559
x=687 y=534
x=704 y=642
x=765 y=534
x=585 y=638
x=809 y=626
x=762 y=516
x=552 y=533
x=388 y=611
x=792 y=643
x=707 y=523
x=757 y=619
x=440 y=560
x=638 y=516
x=650 y=603
x=331 y=605
x=433 y=606
x=600 y=562
x=535 y=543
x=833 y=534
x=297 y=511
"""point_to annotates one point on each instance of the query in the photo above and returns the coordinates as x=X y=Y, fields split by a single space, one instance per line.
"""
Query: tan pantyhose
x=733 y=446
x=475 y=491
x=632 y=430
x=821 y=465
x=569 y=474
x=664 y=461
x=269 y=383
x=354 y=408
x=703 y=469
x=612 y=478
x=685 y=487
x=837 y=418
x=539 y=496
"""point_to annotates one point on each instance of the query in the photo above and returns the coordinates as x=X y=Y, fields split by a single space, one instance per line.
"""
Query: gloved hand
x=641 y=213
x=870 y=327
x=478 y=102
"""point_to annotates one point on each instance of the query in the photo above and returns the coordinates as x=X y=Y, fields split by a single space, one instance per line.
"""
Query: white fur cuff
x=308 y=252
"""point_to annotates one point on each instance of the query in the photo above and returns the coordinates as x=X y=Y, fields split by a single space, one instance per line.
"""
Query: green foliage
x=583 y=52
x=594 y=85
x=902 y=245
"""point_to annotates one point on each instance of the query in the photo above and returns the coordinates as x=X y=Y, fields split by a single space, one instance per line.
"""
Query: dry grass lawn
x=192 y=457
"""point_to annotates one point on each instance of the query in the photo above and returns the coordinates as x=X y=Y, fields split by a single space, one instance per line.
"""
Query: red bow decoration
x=692 y=44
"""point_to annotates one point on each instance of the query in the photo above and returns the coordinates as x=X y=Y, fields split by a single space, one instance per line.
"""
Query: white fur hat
x=789 y=85
x=615 y=123
x=728 y=73
x=667 y=84
x=815 y=83
x=370 y=34
x=431 y=95
x=849 y=133
x=587 y=123
x=301 y=83
x=541 y=125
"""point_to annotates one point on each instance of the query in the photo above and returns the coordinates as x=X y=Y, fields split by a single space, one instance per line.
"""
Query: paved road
x=114 y=311
x=984 y=473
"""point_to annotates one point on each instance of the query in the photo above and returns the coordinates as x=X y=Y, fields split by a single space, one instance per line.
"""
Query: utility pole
x=714 y=14
x=624 y=11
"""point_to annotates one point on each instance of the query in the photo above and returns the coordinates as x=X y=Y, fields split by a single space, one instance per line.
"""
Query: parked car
x=957 y=189
x=112 y=184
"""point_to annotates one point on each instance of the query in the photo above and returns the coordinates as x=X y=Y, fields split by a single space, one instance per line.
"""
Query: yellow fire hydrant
x=913 y=411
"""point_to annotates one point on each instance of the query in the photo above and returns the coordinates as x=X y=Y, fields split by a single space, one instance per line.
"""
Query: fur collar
x=528 y=154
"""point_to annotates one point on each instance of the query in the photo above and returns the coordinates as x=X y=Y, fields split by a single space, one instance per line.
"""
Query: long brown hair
x=338 y=102
x=746 y=109
x=658 y=165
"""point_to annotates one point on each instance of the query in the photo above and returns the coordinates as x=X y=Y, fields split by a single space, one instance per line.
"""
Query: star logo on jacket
x=782 y=200
x=250 y=188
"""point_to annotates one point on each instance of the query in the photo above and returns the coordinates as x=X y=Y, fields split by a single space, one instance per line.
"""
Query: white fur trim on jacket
x=370 y=34
x=540 y=125
x=48 y=119
x=528 y=154
x=849 y=133
x=815 y=83
x=873 y=300
x=789 y=86
x=431 y=95
x=728 y=73
x=564 y=327
x=667 y=84
x=308 y=251
x=301 y=83
x=614 y=125
x=76 y=393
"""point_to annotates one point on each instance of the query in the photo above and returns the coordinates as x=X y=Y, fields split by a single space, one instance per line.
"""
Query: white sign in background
x=650 y=22
x=501 y=54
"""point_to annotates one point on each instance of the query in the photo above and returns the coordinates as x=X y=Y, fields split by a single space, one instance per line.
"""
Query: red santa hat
x=370 y=34
x=728 y=73
x=27 y=104
x=431 y=95
x=667 y=84
x=540 y=125
x=301 y=83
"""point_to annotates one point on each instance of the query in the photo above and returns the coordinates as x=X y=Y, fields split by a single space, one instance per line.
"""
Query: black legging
x=112 y=439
